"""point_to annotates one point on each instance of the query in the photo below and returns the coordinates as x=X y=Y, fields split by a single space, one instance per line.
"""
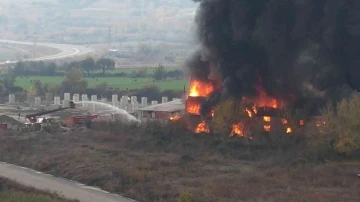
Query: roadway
x=66 y=50
x=66 y=188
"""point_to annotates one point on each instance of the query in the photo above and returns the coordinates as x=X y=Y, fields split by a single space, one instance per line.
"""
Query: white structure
x=134 y=99
x=164 y=99
x=11 y=98
x=66 y=100
x=124 y=100
x=144 y=102
x=166 y=110
x=76 y=98
x=57 y=101
x=37 y=101
x=115 y=100
x=94 y=98
x=104 y=100
x=154 y=102
x=84 y=97
x=67 y=96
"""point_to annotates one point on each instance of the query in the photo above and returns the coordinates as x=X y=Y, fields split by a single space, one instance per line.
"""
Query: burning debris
x=175 y=118
x=202 y=128
x=274 y=54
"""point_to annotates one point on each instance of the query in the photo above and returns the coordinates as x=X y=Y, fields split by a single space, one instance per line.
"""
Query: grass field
x=152 y=164
x=13 y=192
x=115 y=82
x=24 y=197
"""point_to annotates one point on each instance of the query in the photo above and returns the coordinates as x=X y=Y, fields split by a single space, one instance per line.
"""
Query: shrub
x=341 y=125
x=185 y=196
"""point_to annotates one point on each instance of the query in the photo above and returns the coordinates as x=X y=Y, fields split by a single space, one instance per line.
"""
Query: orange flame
x=320 y=123
x=212 y=112
x=284 y=121
x=267 y=128
x=267 y=118
x=175 y=118
x=254 y=109
x=237 y=130
x=192 y=107
x=264 y=100
x=288 y=130
x=249 y=112
x=200 y=89
x=202 y=128
x=301 y=122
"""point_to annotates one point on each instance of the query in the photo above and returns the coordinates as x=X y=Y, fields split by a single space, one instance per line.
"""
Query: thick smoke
x=307 y=49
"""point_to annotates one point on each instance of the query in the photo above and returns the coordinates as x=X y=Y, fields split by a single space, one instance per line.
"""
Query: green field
x=25 y=197
x=115 y=82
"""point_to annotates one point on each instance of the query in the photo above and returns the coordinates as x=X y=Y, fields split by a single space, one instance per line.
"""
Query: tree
x=160 y=73
x=19 y=69
x=2 y=90
x=88 y=65
x=105 y=64
x=340 y=125
x=51 y=88
x=37 y=86
x=142 y=73
x=152 y=92
x=227 y=112
x=50 y=69
x=178 y=74
x=74 y=82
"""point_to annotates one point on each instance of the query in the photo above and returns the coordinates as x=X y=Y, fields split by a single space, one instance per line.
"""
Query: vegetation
x=39 y=78
x=166 y=162
x=340 y=130
x=13 y=192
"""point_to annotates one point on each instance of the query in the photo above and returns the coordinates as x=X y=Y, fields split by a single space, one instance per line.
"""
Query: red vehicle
x=78 y=120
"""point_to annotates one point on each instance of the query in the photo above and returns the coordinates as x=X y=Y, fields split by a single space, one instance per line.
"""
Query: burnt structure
x=300 y=52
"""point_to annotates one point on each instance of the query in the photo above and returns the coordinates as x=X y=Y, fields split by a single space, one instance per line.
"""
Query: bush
x=341 y=125
x=185 y=196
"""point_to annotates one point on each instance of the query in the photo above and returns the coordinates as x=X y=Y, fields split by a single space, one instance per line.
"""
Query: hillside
x=87 y=21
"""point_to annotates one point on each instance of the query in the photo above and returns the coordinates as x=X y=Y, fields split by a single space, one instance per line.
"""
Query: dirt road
x=68 y=189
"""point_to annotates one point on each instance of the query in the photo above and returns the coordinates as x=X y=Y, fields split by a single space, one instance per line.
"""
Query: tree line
x=91 y=67
x=41 y=68
x=74 y=82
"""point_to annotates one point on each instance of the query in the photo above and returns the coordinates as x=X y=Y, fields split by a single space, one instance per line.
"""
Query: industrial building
x=163 y=110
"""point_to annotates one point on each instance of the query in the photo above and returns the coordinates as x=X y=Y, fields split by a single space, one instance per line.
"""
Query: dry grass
x=166 y=165
x=13 y=192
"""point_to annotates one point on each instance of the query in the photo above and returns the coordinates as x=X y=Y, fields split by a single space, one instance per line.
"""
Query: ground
x=164 y=166
x=13 y=192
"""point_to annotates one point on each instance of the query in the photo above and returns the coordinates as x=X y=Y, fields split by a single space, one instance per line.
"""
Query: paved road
x=66 y=50
x=68 y=189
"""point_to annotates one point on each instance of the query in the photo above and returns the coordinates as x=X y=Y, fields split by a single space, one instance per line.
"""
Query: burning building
x=274 y=53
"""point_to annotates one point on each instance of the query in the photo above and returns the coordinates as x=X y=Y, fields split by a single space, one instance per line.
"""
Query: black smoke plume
x=309 y=49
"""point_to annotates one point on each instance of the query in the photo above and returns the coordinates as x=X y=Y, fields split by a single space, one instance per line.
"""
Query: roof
x=172 y=106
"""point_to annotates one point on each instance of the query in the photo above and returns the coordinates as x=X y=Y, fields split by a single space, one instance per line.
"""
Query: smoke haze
x=291 y=48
